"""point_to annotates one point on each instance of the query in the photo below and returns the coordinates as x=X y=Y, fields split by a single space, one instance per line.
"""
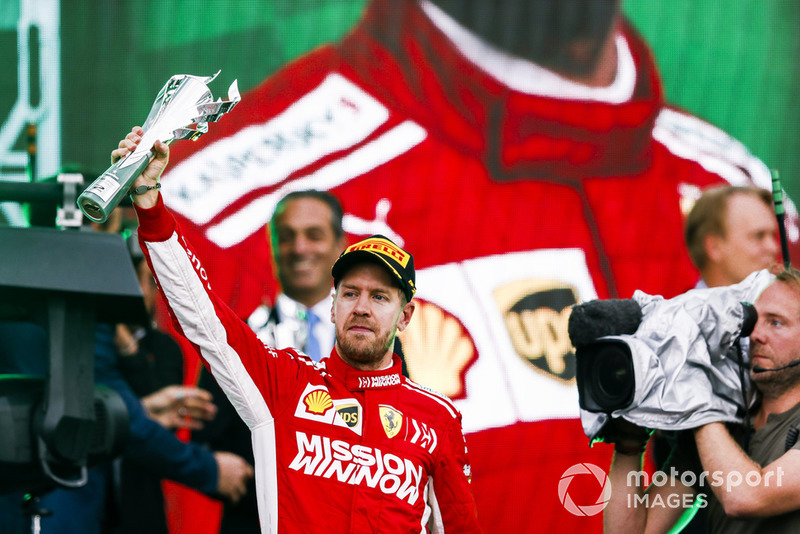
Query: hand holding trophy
x=182 y=110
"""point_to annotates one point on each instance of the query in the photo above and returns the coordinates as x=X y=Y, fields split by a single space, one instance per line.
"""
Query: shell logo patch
x=318 y=402
x=391 y=419
x=315 y=405
x=536 y=313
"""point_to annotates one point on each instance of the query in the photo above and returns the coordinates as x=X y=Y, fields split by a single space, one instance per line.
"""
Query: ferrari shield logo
x=392 y=420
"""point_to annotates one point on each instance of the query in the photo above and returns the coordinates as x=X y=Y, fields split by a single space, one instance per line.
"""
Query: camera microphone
x=759 y=369
x=599 y=318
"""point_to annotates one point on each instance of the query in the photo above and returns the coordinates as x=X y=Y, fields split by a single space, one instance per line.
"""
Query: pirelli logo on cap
x=379 y=247
x=382 y=246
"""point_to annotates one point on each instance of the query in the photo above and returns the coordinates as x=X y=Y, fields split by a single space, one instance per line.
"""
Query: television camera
x=55 y=286
x=664 y=364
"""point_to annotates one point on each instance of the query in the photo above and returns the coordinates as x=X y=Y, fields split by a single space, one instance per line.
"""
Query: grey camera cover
x=685 y=375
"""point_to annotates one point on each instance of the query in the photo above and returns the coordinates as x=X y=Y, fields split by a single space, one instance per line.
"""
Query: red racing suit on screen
x=336 y=449
x=519 y=194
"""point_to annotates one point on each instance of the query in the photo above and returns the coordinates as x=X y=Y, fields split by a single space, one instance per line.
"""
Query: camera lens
x=611 y=371
x=605 y=376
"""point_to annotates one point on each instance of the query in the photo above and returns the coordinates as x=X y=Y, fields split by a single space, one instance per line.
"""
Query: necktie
x=312 y=345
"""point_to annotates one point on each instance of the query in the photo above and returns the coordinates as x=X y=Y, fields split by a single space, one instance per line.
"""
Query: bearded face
x=368 y=310
x=364 y=347
x=775 y=341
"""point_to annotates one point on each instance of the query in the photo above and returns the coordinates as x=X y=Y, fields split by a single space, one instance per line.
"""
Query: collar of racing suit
x=356 y=380
x=516 y=134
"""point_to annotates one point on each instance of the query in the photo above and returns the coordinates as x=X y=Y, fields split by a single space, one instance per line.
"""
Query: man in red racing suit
x=520 y=192
x=338 y=448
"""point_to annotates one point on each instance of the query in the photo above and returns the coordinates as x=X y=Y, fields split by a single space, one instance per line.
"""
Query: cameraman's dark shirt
x=767 y=444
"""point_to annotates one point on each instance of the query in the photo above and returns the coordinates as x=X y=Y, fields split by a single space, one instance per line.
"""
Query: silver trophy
x=182 y=110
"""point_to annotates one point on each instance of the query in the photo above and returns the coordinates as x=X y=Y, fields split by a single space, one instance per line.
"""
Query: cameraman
x=753 y=491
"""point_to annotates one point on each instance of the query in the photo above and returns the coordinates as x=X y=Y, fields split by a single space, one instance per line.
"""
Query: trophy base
x=92 y=210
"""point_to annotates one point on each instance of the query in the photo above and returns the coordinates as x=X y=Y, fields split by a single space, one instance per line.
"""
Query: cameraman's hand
x=627 y=437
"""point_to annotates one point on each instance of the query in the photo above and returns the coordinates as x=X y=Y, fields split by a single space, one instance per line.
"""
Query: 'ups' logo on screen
x=536 y=313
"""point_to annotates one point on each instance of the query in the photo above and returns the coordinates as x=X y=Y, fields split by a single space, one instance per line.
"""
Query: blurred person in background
x=306 y=237
x=731 y=232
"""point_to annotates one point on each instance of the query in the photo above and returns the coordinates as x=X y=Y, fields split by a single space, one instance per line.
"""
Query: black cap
x=379 y=249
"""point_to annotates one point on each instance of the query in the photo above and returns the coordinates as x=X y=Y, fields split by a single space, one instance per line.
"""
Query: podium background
x=735 y=64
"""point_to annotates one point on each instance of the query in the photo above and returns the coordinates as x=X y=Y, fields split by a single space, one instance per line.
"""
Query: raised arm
x=243 y=367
